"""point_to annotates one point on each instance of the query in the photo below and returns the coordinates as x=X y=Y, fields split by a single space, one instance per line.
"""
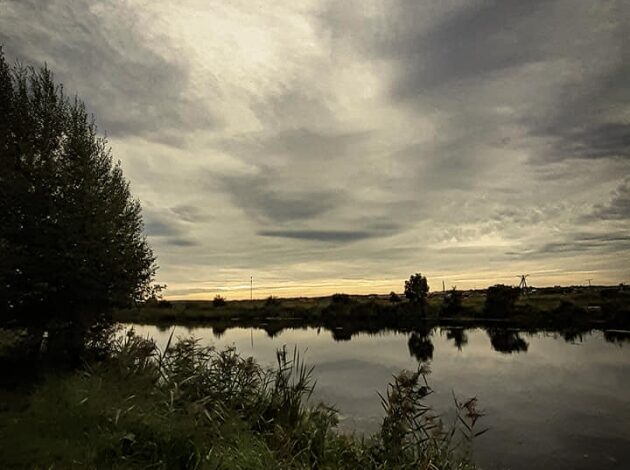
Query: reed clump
x=192 y=406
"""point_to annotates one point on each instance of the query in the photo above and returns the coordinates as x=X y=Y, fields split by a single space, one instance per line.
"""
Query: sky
x=339 y=146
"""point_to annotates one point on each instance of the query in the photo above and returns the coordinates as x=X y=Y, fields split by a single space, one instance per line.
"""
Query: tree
x=500 y=300
x=394 y=297
x=416 y=289
x=71 y=235
x=452 y=304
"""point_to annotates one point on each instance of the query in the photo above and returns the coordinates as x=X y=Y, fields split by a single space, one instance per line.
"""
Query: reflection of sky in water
x=559 y=404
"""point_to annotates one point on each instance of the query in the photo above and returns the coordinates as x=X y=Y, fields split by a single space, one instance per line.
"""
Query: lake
x=550 y=402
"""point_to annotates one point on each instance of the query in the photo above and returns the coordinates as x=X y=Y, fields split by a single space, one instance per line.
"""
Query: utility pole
x=589 y=282
x=251 y=288
x=443 y=287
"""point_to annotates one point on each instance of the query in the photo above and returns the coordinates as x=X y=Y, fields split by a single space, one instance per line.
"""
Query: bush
x=500 y=300
x=340 y=299
x=196 y=407
x=452 y=304
x=394 y=297
x=219 y=301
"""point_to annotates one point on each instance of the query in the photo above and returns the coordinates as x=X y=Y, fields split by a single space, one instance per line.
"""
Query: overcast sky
x=338 y=146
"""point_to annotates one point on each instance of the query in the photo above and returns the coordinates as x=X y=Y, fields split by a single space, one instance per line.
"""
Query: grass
x=200 y=408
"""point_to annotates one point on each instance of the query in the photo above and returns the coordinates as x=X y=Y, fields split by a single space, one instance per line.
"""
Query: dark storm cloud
x=588 y=120
x=98 y=51
x=340 y=236
x=611 y=242
x=618 y=208
x=474 y=41
x=163 y=228
x=188 y=213
x=260 y=197
x=296 y=144
x=159 y=228
x=444 y=64
x=183 y=242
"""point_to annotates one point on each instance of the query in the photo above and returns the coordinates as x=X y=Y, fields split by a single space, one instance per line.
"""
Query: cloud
x=308 y=139
x=618 y=208
x=130 y=74
x=340 y=236
x=257 y=196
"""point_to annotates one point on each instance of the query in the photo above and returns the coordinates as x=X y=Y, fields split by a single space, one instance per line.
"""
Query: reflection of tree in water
x=420 y=346
x=459 y=337
x=272 y=329
x=218 y=331
x=572 y=335
x=506 y=341
x=617 y=337
x=341 y=334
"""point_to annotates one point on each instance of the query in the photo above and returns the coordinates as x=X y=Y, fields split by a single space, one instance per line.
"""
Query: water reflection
x=506 y=341
x=458 y=335
x=420 y=346
x=502 y=339
x=551 y=397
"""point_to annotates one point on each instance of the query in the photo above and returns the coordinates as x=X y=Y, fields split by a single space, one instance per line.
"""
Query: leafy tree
x=500 y=300
x=394 y=297
x=71 y=235
x=452 y=304
x=416 y=289
x=218 y=301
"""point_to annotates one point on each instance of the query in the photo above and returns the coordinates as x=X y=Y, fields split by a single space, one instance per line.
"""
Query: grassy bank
x=195 y=407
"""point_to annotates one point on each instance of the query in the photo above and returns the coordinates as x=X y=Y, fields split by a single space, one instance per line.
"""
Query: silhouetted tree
x=218 y=301
x=416 y=289
x=500 y=300
x=394 y=297
x=71 y=235
x=340 y=299
x=452 y=304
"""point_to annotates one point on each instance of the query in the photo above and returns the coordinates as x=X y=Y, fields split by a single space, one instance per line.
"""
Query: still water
x=549 y=402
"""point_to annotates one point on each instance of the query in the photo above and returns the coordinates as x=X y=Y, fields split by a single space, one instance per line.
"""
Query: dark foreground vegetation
x=196 y=407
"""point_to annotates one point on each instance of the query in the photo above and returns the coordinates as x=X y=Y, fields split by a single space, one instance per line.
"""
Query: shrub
x=219 y=301
x=452 y=304
x=340 y=299
x=500 y=300
x=190 y=406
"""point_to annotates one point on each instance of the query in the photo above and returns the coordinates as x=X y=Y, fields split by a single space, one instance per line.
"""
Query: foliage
x=500 y=300
x=71 y=235
x=340 y=299
x=219 y=301
x=452 y=304
x=394 y=297
x=416 y=289
x=272 y=301
x=191 y=406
